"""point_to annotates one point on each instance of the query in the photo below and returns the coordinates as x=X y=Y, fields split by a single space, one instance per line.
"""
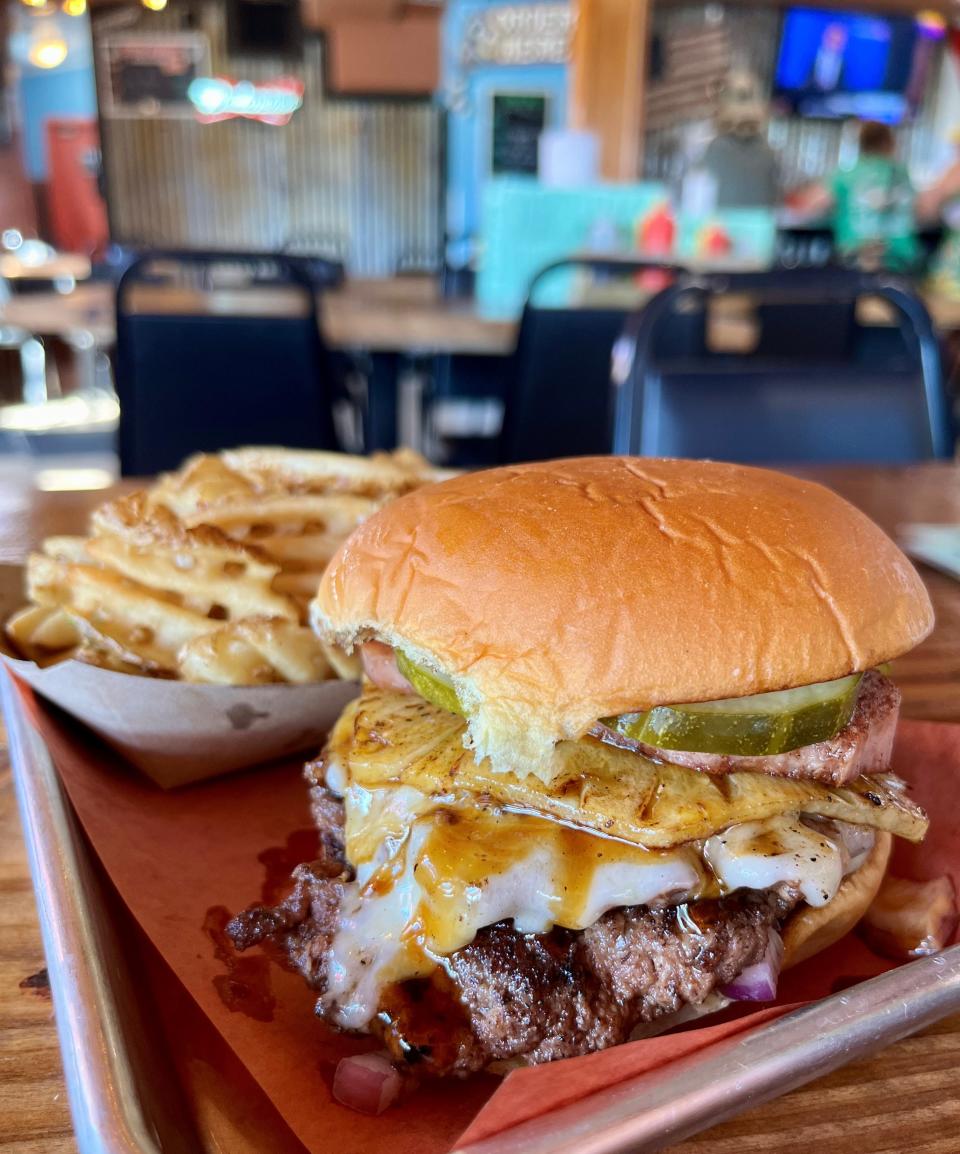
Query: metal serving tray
x=120 y=1092
x=96 y=1014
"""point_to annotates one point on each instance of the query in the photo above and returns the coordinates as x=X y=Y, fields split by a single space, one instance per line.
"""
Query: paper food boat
x=178 y=732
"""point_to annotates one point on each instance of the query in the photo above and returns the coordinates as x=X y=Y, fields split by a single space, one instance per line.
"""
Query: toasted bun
x=560 y=592
x=811 y=930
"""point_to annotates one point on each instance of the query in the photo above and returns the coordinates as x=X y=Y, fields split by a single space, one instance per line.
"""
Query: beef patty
x=510 y=995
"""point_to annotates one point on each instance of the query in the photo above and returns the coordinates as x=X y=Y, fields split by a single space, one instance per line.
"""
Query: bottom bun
x=811 y=930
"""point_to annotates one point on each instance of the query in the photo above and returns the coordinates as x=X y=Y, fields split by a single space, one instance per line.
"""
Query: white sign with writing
x=518 y=34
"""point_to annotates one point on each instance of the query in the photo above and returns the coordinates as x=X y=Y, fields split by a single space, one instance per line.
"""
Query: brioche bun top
x=560 y=592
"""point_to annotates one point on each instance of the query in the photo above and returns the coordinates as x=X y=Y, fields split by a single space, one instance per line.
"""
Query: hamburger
x=621 y=752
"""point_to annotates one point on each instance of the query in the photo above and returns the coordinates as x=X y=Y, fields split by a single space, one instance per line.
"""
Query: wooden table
x=62 y=266
x=904 y=1098
x=386 y=318
x=405 y=314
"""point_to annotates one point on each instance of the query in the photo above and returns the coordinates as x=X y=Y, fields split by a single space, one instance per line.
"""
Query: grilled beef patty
x=510 y=995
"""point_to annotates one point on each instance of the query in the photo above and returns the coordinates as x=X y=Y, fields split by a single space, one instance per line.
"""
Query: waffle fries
x=43 y=633
x=206 y=576
x=296 y=507
x=255 y=651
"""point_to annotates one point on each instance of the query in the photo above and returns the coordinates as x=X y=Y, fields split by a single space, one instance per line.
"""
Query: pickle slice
x=436 y=688
x=766 y=723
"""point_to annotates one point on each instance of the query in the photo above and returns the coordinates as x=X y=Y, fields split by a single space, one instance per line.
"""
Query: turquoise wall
x=50 y=93
x=468 y=91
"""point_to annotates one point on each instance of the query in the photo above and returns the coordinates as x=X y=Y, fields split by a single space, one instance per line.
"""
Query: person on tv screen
x=871 y=205
x=828 y=63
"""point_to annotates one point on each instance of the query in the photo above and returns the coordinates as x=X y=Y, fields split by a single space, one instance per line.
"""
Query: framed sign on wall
x=147 y=75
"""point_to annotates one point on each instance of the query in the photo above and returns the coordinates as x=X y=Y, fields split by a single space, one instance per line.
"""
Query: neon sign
x=217 y=98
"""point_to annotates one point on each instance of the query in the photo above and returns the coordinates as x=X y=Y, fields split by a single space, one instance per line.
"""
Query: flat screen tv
x=839 y=64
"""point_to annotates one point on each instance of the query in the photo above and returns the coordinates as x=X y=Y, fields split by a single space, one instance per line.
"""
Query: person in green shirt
x=940 y=204
x=871 y=205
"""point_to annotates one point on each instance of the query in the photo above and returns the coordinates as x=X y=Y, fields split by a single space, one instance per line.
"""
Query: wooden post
x=609 y=80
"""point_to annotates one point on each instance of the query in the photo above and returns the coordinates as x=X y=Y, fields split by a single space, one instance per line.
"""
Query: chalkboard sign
x=518 y=120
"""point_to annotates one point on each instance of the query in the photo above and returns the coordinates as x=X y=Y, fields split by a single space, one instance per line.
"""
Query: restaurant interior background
x=326 y=223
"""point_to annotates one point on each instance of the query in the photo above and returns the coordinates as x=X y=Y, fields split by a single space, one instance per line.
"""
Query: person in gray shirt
x=743 y=167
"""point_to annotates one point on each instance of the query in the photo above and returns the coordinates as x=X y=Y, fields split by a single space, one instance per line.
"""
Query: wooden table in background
x=62 y=266
x=399 y=315
x=905 y=1098
x=403 y=314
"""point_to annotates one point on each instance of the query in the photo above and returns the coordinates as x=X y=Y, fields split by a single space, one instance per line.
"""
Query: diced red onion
x=911 y=919
x=380 y=665
x=758 y=983
x=367 y=1083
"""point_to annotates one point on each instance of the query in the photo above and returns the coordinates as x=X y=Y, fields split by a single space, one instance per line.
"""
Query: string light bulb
x=50 y=52
x=34 y=3
x=154 y=5
x=74 y=7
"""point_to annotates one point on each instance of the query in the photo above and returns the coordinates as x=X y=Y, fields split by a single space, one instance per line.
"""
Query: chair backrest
x=557 y=396
x=215 y=350
x=819 y=384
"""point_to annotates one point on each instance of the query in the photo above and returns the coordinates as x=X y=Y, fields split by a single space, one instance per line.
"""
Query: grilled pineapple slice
x=393 y=738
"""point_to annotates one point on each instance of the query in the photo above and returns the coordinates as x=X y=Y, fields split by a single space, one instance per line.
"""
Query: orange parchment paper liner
x=181 y=859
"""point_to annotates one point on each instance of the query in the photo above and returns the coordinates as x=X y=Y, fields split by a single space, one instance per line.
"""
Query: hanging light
x=74 y=7
x=34 y=3
x=154 y=5
x=44 y=38
x=48 y=52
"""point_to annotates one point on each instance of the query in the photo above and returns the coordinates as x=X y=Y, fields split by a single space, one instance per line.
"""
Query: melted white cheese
x=405 y=916
x=430 y=876
x=760 y=855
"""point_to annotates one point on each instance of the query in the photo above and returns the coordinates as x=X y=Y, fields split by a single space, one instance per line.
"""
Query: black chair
x=244 y=363
x=462 y=408
x=862 y=393
x=557 y=385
